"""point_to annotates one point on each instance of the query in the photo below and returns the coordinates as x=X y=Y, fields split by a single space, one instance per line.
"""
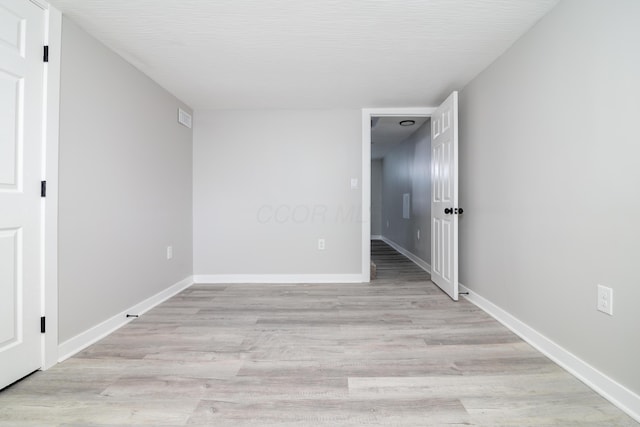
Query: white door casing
x=444 y=196
x=21 y=139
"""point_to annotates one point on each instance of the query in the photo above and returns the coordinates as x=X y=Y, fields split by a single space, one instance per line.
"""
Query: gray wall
x=407 y=169
x=549 y=179
x=125 y=186
x=376 y=197
x=268 y=184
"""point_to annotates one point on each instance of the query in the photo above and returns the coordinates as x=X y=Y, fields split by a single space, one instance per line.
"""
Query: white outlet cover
x=321 y=244
x=605 y=300
x=354 y=183
x=169 y=252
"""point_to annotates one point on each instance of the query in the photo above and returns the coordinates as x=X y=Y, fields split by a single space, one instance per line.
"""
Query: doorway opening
x=400 y=197
x=443 y=166
x=397 y=201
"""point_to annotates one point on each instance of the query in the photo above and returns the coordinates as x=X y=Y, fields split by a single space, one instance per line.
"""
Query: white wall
x=376 y=197
x=550 y=182
x=407 y=169
x=268 y=184
x=124 y=186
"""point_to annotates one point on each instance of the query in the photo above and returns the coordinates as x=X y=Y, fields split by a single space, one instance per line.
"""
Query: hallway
x=392 y=265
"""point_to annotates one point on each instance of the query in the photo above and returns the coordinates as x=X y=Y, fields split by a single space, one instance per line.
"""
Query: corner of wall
x=94 y=334
x=616 y=393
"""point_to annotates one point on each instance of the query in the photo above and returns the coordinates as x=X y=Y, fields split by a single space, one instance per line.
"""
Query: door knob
x=448 y=211
x=459 y=211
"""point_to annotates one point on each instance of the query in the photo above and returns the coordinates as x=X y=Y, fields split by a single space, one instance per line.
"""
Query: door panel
x=11 y=96
x=444 y=170
x=21 y=100
x=12 y=30
x=10 y=290
x=436 y=252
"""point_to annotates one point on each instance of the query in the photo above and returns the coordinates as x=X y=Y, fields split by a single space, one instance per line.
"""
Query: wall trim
x=278 y=278
x=376 y=237
x=90 y=336
x=413 y=257
x=366 y=196
x=614 y=392
x=43 y=4
x=51 y=123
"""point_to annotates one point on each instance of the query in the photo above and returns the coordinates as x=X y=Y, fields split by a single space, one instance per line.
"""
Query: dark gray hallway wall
x=407 y=169
x=376 y=197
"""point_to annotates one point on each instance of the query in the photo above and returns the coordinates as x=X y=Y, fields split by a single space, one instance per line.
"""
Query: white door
x=444 y=196
x=21 y=101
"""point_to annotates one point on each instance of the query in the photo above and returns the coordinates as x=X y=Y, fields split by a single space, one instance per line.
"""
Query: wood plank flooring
x=396 y=352
x=391 y=265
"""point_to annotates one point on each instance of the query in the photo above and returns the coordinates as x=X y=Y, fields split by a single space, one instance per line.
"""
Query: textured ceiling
x=246 y=54
x=386 y=132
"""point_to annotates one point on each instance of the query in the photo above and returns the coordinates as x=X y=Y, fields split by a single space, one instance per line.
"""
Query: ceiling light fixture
x=407 y=123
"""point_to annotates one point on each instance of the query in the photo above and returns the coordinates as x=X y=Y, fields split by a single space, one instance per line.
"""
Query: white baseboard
x=277 y=278
x=96 y=333
x=608 y=388
x=376 y=237
x=416 y=260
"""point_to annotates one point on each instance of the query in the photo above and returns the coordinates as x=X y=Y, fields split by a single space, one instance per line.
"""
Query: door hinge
x=43 y=188
x=45 y=56
x=43 y=325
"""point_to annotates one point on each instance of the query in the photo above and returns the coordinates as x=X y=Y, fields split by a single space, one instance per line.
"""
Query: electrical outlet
x=605 y=300
x=418 y=234
x=387 y=223
x=321 y=244
x=169 y=252
x=354 y=183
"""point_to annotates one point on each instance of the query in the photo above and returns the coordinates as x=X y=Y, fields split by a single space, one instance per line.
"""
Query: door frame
x=367 y=114
x=49 y=204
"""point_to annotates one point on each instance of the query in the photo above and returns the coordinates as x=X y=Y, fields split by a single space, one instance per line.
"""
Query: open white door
x=444 y=196
x=21 y=109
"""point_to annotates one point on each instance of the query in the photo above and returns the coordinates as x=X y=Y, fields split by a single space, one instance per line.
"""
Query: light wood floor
x=394 y=352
